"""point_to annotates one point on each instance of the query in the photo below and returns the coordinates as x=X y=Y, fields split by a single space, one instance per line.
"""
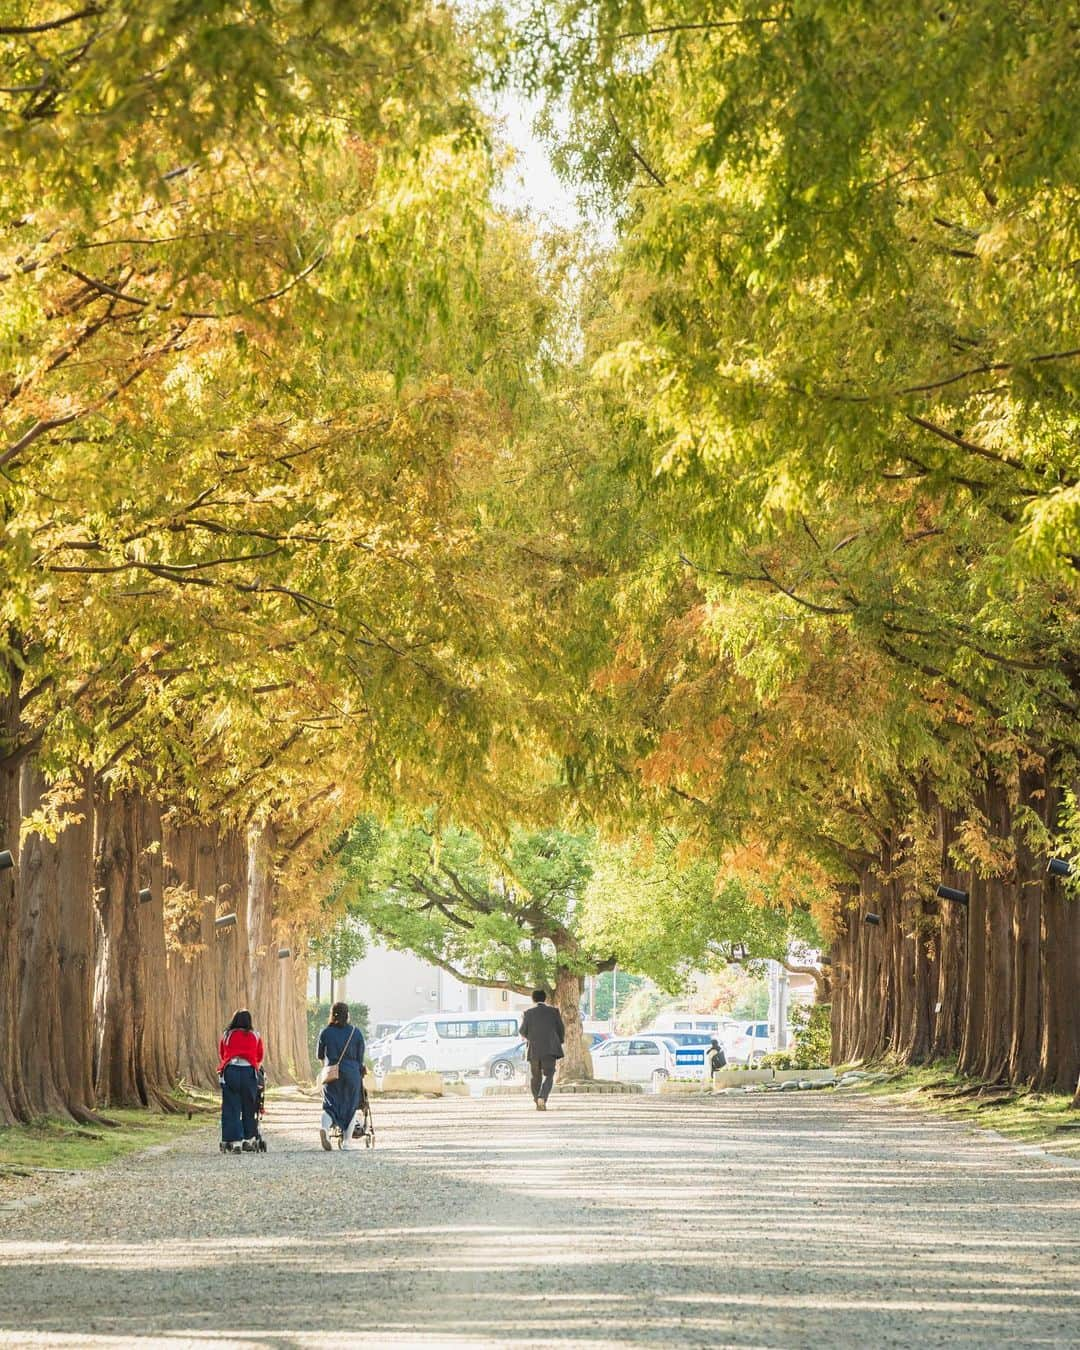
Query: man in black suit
x=543 y=1028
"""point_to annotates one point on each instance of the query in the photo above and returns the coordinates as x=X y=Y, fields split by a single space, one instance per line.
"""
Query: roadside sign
x=690 y=1058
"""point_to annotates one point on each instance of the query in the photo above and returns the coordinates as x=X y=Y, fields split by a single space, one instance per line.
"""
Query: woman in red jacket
x=240 y=1055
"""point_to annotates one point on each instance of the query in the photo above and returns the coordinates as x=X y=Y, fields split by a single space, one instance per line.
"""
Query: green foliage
x=340 y=949
x=667 y=919
x=504 y=916
x=614 y=989
x=639 y=1009
x=754 y=1005
x=811 y=1046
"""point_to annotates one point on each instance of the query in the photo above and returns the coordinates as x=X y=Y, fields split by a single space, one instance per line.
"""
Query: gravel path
x=803 y=1220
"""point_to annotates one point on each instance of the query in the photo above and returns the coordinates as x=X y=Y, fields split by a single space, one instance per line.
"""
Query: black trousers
x=543 y=1075
x=239 y=1102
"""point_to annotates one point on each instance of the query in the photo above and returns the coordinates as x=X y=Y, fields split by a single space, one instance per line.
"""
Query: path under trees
x=809 y=1220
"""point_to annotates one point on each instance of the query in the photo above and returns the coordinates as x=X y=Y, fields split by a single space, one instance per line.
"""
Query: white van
x=707 y=1024
x=449 y=1042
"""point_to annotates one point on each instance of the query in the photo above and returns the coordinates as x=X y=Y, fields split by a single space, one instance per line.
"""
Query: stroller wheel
x=369 y=1141
x=262 y=1145
x=223 y=1147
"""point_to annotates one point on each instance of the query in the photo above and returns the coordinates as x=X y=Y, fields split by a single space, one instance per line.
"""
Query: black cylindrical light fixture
x=951 y=893
x=226 y=921
x=872 y=919
x=145 y=895
x=6 y=860
x=282 y=953
x=1057 y=867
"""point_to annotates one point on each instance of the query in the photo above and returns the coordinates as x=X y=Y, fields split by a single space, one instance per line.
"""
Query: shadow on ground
x=795 y=1221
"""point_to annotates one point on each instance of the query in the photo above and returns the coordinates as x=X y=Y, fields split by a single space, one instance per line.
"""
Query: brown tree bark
x=291 y=1016
x=1023 y=1062
x=992 y=1061
x=76 y=949
x=190 y=876
x=13 y=1104
x=120 y=998
x=576 y=1064
x=952 y=923
x=157 y=1049
x=973 y=1007
x=41 y=1021
x=1059 y=1047
x=231 y=946
x=264 y=975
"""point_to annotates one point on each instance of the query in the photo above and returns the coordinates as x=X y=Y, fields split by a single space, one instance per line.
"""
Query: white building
x=396 y=985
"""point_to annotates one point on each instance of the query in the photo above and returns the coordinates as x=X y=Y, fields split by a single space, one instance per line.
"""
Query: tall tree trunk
x=13 y=1104
x=41 y=1024
x=231 y=960
x=291 y=1014
x=1059 y=1008
x=191 y=883
x=121 y=994
x=265 y=967
x=992 y=1062
x=76 y=948
x=952 y=953
x=159 y=1031
x=974 y=1003
x=1027 y=925
x=576 y=1064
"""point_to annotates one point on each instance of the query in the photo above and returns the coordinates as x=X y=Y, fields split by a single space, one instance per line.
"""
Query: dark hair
x=539 y=996
x=339 y=1015
x=241 y=1021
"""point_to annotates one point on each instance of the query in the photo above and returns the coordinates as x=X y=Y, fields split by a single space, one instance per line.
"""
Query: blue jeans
x=239 y=1100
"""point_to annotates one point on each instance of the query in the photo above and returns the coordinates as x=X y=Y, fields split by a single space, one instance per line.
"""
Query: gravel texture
x=802 y=1219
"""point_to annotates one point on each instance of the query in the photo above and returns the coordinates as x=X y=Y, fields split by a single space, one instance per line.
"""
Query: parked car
x=635 y=1059
x=449 y=1042
x=748 y=1042
x=690 y=1048
x=509 y=1064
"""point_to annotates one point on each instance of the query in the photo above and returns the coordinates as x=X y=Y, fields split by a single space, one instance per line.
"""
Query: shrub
x=812 y=1043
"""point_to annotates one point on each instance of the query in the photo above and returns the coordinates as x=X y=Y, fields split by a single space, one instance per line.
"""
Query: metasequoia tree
x=504 y=917
x=838 y=369
x=250 y=325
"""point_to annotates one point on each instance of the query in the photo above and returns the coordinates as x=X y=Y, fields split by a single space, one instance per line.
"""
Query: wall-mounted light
x=6 y=860
x=1057 y=867
x=282 y=953
x=872 y=919
x=951 y=893
x=825 y=961
x=226 y=921
x=145 y=895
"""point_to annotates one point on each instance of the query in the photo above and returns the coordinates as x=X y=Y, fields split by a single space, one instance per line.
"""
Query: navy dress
x=341 y=1098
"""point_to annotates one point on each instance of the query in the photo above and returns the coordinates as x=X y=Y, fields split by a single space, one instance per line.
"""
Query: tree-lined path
x=808 y=1220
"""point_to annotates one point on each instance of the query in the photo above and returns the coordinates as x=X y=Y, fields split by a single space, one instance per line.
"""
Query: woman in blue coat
x=342 y=1044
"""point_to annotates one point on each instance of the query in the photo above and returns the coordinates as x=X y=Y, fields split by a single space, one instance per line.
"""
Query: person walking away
x=341 y=1050
x=240 y=1057
x=715 y=1059
x=542 y=1027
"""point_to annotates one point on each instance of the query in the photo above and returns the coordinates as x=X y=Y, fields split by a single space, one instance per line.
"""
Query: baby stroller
x=364 y=1127
x=260 y=1111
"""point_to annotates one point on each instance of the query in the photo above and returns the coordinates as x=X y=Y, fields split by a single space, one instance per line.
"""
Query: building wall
x=397 y=985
